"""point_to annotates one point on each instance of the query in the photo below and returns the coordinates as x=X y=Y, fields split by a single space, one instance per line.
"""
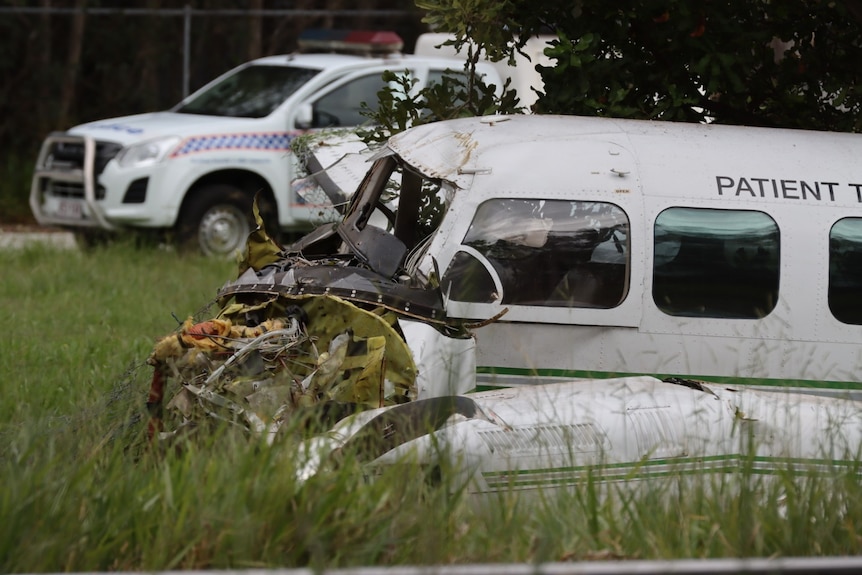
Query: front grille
x=70 y=155
x=65 y=189
x=70 y=190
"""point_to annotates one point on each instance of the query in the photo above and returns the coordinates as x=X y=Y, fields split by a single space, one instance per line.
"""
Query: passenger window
x=715 y=263
x=343 y=106
x=546 y=253
x=845 y=270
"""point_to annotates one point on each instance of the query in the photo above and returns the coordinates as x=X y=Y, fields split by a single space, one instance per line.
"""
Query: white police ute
x=195 y=169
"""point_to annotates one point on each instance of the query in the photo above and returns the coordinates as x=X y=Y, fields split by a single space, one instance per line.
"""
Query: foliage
x=490 y=24
x=458 y=94
x=783 y=64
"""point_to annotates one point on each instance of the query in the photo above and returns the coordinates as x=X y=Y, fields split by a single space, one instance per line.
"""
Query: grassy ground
x=75 y=499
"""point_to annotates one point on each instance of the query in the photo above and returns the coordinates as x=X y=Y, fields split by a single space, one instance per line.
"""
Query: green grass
x=74 y=498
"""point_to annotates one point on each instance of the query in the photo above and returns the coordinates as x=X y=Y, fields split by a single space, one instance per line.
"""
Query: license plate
x=65 y=208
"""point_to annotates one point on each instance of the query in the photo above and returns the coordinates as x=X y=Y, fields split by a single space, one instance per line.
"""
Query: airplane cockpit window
x=845 y=270
x=390 y=222
x=543 y=252
x=715 y=263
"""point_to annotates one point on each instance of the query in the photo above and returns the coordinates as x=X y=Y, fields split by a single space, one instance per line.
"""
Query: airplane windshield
x=393 y=217
x=254 y=91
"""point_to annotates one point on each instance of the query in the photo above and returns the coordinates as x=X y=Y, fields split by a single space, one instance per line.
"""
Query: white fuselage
x=632 y=430
x=804 y=189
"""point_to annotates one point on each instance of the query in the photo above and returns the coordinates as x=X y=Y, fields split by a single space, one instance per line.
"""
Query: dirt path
x=20 y=235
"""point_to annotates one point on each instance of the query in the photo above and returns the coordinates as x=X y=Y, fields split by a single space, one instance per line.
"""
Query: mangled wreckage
x=293 y=332
x=468 y=257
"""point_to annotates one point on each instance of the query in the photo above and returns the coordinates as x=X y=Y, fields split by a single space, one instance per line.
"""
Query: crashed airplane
x=505 y=251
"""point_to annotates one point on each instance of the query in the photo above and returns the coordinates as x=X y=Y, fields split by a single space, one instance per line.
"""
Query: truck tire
x=216 y=221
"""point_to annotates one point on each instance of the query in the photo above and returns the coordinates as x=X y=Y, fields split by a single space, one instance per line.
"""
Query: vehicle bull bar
x=85 y=176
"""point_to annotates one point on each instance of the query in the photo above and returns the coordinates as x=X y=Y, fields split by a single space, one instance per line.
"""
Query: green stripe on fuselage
x=569 y=374
x=654 y=468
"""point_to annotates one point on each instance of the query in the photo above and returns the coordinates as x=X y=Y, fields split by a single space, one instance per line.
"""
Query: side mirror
x=304 y=116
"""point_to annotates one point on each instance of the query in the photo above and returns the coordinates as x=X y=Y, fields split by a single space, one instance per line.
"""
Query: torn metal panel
x=334 y=162
x=434 y=155
x=351 y=283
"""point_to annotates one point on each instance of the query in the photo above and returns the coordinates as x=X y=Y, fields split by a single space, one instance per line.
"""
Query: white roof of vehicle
x=328 y=60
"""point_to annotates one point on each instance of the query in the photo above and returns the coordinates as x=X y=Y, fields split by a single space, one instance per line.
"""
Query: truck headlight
x=146 y=153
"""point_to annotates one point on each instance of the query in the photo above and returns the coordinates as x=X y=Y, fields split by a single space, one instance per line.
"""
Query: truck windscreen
x=252 y=92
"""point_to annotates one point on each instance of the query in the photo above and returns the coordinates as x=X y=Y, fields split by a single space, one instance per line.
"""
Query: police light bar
x=362 y=41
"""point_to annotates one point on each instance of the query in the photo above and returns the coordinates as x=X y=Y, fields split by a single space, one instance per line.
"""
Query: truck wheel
x=217 y=221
